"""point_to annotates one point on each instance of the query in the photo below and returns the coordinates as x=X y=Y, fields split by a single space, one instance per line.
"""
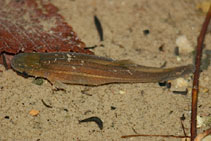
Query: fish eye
x=21 y=65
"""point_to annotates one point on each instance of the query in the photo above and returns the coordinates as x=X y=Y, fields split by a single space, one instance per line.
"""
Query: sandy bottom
x=123 y=108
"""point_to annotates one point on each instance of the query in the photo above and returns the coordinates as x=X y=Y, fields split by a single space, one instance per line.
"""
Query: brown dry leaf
x=35 y=26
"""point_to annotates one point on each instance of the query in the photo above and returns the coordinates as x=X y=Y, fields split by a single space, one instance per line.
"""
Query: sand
x=143 y=108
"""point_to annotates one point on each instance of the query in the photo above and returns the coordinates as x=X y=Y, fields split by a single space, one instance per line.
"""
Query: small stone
x=179 y=59
x=113 y=108
x=38 y=81
x=180 y=85
x=185 y=139
x=7 y=117
x=181 y=82
x=203 y=89
x=184 y=45
x=146 y=31
x=122 y=92
x=34 y=112
x=200 y=121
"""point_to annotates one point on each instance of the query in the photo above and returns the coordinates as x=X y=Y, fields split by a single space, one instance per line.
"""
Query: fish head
x=26 y=62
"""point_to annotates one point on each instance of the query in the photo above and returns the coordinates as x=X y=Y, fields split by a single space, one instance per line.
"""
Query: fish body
x=76 y=68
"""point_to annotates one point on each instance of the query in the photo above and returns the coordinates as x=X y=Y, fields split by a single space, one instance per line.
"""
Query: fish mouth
x=17 y=63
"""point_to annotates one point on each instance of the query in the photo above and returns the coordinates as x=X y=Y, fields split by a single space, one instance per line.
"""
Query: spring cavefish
x=76 y=68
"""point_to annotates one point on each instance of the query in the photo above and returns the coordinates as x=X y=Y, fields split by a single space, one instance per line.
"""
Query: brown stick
x=145 y=135
x=196 y=75
x=199 y=137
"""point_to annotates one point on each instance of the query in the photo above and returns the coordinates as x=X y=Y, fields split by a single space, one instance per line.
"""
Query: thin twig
x=196 y=75
x=199 y=137
x=145 y=135
x=183 y=127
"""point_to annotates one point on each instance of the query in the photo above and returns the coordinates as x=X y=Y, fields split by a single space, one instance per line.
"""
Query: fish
x=84 y=69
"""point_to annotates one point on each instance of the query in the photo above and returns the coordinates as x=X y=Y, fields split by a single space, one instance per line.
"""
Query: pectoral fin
x=58 y=85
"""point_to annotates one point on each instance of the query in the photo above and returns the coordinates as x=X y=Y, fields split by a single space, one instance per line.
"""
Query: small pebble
x=34 y=112
x=179 y=59
x=200 y=121
x=161 y=48
x=121 y=92
x=146 y=31
x=38 y=81
x=181 y=82
x=203 y=89
x=7 y=117
x=184 y=45
x=113 y=108
x=180 y=86
x=185 y=139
